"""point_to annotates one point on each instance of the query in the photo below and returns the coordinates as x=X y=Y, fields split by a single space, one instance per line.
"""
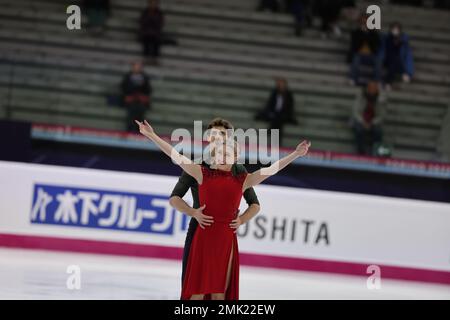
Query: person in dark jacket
x=365 y=47
x=369 y=112
x=279 y=108
x=398 y=58
x=136 y=90
x=151 y=26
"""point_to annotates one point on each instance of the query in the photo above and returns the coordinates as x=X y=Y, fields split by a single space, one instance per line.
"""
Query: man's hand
x=203 y=220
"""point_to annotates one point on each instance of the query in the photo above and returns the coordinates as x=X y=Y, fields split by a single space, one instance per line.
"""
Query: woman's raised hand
x=145 y=128
x=302 y=148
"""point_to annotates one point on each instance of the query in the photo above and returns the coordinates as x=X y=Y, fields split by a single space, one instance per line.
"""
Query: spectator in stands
x=151 y=26
x=279 y=109
x=365 y=49
x=136 y=90
x=368 y=115
x=97 y=12
x=398 y=58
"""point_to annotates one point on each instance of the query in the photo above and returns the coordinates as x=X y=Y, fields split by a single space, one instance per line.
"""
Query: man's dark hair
x=220 y=122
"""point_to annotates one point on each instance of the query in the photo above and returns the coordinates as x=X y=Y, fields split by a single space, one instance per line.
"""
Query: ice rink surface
x=35 y=274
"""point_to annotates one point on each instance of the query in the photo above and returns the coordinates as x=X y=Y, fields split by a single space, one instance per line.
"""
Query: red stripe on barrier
x=258 y=260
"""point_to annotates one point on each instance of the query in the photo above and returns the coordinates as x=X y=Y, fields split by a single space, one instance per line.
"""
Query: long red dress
x=211 y=247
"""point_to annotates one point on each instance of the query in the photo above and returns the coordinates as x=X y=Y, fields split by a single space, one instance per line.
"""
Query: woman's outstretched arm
x=185 y=163
x=262 y=174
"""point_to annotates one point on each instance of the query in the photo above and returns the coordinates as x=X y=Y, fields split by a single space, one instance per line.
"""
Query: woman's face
x=224 y=153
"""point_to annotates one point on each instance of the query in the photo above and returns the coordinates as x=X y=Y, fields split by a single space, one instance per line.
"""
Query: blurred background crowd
x=308 y=68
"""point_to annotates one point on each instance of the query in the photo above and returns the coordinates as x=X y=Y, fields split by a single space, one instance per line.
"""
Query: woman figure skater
x=213 y=264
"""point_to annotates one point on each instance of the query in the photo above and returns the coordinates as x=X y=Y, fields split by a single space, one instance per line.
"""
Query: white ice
x=36 y=274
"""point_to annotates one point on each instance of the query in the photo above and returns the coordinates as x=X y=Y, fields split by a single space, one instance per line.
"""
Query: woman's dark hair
x=220 y=122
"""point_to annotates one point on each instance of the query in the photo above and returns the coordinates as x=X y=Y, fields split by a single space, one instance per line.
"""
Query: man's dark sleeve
x=184 y=183
x=249 y=194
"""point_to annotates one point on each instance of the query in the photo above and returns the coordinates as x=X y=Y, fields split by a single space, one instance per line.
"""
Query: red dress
x=211 y=247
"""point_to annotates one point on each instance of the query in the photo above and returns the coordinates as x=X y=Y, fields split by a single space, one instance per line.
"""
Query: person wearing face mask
x=398 y=58
x=368 y=115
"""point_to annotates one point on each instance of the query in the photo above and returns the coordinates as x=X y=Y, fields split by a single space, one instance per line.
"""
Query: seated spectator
x=365 y=49
x=151 y=26
x=97 y=12
x=398 y=58
x=136 y=92
x=271 y=5
x=368 y=113
x=279 y=109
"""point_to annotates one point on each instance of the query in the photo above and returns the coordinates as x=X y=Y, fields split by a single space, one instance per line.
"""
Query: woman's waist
x=223 y=220
x=221 y=216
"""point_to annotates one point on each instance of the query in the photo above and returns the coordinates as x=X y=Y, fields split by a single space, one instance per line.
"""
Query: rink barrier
x=109 y=212
x=331 y=159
